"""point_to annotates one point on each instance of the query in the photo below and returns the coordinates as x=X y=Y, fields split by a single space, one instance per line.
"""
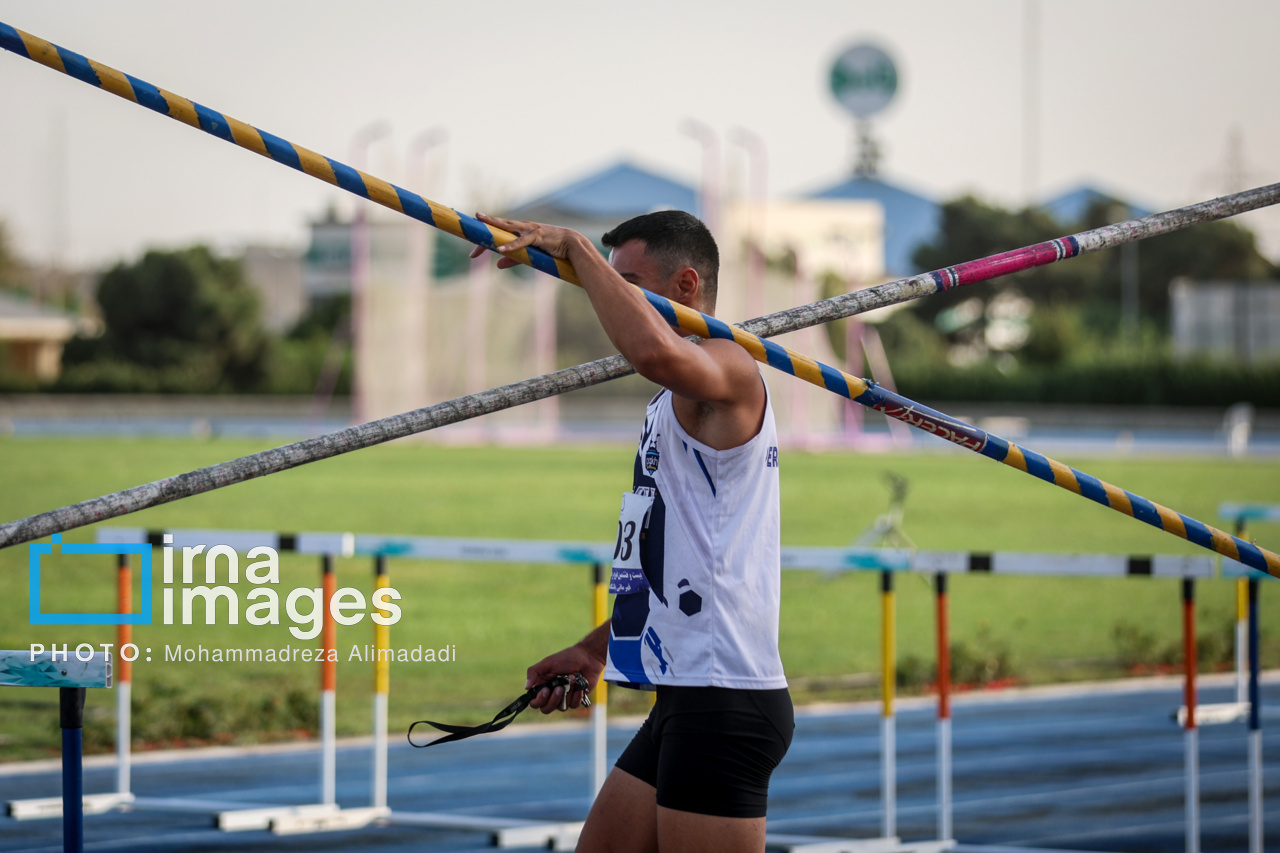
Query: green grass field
x=501 y=618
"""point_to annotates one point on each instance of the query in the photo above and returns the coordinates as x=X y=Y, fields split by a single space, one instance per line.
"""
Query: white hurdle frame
x=124 y=677
x=1247 y=664
x=237 y=817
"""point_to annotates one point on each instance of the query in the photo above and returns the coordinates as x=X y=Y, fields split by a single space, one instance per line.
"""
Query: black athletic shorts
x=711 y=750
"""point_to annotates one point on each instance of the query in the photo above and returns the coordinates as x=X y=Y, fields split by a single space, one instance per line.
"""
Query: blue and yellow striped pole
x=272 y=147
x=686 y=319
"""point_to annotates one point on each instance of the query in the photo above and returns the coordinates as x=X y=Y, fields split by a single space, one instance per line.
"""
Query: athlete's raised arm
x=720 y=396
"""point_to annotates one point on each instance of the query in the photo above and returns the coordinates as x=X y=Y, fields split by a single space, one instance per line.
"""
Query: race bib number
x=628 y=576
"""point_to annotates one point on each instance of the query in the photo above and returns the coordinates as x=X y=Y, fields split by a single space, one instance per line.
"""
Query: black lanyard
x=504 y=717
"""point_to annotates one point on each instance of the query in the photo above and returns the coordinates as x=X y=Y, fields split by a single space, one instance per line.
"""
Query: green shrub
x=1137 y=649
x=169 y=715
x=1155 y=381
x=983 y=661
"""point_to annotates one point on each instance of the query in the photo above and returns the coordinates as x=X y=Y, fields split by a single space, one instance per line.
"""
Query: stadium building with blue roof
x=909 y=217
x=597 y=202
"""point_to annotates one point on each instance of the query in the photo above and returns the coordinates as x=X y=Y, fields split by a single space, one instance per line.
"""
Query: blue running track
x=1051 y=768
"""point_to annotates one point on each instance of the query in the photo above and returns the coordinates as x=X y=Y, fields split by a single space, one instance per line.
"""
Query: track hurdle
x=1253 y=705
x=1229 y=712
x=124 y=675
x=1191 y=734
x=332 y=817
x=228 y=815
x=600 y=698
x=1247 y=691
x=326 y=815
x=503 y=832
x=1255 y=727
x=942 y=632
x=72 y=677
x=328 y=689
x=943 y=564
x=1241 y=514
x=888 y=727
x=381 y=687
x=1242 y=611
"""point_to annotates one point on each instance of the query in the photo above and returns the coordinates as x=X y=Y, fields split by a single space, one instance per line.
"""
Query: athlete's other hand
x=552 y=239
x=577 y=658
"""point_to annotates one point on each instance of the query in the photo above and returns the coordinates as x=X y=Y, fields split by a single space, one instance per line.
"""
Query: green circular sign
x=864 y=80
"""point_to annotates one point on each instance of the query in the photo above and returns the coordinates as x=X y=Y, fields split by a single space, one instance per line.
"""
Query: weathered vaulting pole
x=299 y=453
x=866 y=393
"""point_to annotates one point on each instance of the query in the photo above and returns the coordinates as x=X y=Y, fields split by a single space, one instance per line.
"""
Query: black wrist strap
x=504 y=717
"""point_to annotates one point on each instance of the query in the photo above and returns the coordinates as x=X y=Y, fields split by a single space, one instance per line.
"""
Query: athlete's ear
x=688 y=286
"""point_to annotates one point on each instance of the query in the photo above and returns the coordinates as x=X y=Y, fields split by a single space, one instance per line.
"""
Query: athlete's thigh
x=719 y=749
x=623 y=817
x=688 y=832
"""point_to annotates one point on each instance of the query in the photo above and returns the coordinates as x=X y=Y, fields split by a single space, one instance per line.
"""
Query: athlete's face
x=634 y=265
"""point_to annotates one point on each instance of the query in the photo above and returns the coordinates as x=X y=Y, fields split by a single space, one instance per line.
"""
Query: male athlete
x=696 y=569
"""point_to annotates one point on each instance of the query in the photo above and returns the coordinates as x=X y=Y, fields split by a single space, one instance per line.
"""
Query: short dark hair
x=674 y=239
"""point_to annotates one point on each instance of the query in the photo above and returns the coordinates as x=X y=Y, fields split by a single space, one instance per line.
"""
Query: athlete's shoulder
x=736 y=365
x=721 y=348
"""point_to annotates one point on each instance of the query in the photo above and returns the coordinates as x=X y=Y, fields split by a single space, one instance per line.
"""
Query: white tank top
x=696 y=568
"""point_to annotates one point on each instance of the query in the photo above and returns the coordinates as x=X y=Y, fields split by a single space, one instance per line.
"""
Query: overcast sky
x=1138 y=97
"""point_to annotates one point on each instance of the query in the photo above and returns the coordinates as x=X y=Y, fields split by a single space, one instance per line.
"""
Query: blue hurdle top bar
x=23 y=669
x=557 y=553
x=1249 y=512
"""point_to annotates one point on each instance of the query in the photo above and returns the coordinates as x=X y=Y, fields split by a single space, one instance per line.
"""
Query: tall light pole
x=758 y=167
x=802 y=294
x=1130 y=309
x=420 y=172
x=361 y=272
x=709 y=194
x=545 y=289
x=61 y=215
x=477 y=345
x=853 y=330
x=1030 y=100
x=416 y=316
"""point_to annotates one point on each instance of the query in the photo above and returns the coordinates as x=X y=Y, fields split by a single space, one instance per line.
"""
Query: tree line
x=188 y=321
x=1058 y=333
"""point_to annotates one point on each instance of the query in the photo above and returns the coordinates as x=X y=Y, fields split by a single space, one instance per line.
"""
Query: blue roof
x=1070 y=207
x=616 y=193
x=909 y=218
